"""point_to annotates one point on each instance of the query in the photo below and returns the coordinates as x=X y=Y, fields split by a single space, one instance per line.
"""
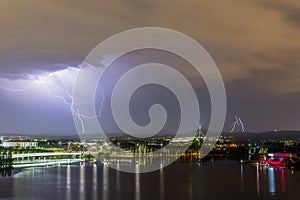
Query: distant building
x=19 y=144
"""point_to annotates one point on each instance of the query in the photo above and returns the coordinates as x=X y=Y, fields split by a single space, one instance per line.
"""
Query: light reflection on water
x=242 y=178
x=257 y=180
x=137 y=183
x=82 y=182
x=282 y=181
x=95 y=180
x=105 y=183
x=221 y=180
x=68 y=184
x=161 y=182
x=271 y=177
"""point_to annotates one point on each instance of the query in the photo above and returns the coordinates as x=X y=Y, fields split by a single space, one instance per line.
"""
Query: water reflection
x=242 y=178
x=161 y=181
x=271 y=177
x=257 y=180
x=82 y=181
x=267 y=179
x=118 y=181
x=105 y=182
x=282 y=181
x=58 y=179
x=179 y=181
x=95 y=181
x=137 y=182
x=68 y=183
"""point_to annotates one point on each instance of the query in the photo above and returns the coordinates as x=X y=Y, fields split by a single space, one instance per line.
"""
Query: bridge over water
x=45 y=159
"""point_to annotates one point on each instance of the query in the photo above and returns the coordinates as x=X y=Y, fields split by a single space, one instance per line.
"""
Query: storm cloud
x=255 y=44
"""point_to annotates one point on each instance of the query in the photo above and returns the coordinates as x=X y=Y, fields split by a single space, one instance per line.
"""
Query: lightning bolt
x=80 y=119
x=242 y=125
x=238 y=122
x=44 y=81
x=74 y=106
x=37 y=81
x=16 y=90
x=101 y=102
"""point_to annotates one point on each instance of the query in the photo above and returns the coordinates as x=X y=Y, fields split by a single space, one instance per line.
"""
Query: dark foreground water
x=218 y=180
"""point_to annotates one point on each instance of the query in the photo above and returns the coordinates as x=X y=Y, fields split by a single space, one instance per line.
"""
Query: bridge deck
x=48 y=163
x=28 y=155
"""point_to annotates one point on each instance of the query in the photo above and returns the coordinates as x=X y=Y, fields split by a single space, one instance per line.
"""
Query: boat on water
x=284 y=160
x=263 y=159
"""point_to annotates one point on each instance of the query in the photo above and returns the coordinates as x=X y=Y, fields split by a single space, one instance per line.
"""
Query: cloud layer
x=254 y=43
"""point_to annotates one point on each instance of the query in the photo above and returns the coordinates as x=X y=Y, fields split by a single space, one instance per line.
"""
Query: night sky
x=255 y=45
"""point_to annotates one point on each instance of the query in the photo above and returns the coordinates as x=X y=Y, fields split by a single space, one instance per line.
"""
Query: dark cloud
x=290 y=10
x=68 y=30
x=19 y=64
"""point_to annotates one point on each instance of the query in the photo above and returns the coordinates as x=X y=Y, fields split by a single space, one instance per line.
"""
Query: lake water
x=212 y=180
